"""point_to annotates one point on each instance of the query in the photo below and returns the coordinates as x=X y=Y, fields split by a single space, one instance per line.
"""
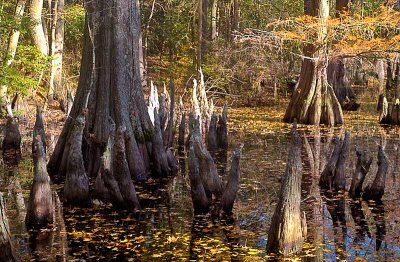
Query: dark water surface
x=338 y=228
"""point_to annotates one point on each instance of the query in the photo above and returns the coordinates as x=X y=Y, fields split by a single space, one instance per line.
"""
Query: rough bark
x=384 y=116
x=159 y=156
x=328 y=173
x=110 y=82
x=337 y=78
x=11 y=143
x=121 y=173
x=232 y=187
x=380 y=74
x=38 y=129
x=169 y=133
x=389 y=74
x=182 y=131
x=314 y=101
x=222 y=129
x=76 y=187
x=199 y=197
x=7 y=253
x=40 y=212
x=285 y=235
x=212 y=143
x=208 y=171
x=362 y=167
x=376 y=190
x=339 y=180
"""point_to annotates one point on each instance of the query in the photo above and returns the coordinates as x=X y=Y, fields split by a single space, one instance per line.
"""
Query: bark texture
x=40 y=212
x=110 y=87
x=76 y=188
x=11 y=143
x=376 y=190
x=7 y=253
x=362 y=167
x=285 y=235
x=314 y=101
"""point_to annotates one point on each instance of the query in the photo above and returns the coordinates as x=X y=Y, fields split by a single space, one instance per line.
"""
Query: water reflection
x=338 y=227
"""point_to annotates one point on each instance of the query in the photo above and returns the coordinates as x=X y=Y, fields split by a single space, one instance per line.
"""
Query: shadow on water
x=338 y=227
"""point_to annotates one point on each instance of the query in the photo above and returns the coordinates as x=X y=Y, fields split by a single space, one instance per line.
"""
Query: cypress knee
x=328 y=173
x=76 y=188
x=339 y=180
x=182 y=131
x=232 y=187
x=12 y=143
x=40 y=212
x=199 y=198
x=159 y=157
x=212 y=143
x=121 y=172
x=285 y=235
x=363 y=164
x=222 y=129
x=376 y=190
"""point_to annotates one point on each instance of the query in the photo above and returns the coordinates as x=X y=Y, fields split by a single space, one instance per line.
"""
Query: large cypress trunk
x=110 y=86
x=314 y=101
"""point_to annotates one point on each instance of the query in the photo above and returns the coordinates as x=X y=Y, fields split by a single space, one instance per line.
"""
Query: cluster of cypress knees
x=207 y=190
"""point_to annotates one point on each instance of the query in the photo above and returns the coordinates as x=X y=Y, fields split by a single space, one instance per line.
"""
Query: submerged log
x=12 y=143
x=285 y=235
x=339 y=180
x=376 y=190
x=222 y=129
x=212 y=143
x=232 y=187
x=7 y=253
x=40 y=212
x=328 y=173
x=76 y=187
x=363 y=164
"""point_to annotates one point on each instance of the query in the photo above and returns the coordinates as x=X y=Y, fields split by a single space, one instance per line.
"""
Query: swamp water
x=165 y=230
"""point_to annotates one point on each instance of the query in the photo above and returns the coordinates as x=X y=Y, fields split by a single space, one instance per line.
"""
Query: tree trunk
x=380 y=74
x=38 y=34
x=337 y=78
x=56 y=48
x=389 y=74
x=285 y=235
x=235 y=16
x=212 y=144
x=11 y=50
x=204 y=24
x=314 y=101
x=222 y=129
x=7 y=253
x=214 y=19
x=362 y=168
x=110 y=79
